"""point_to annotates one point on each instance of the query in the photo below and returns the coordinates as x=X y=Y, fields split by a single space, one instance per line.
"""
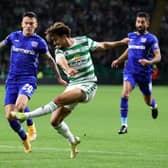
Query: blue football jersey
x=25 y=51
x=140 y=47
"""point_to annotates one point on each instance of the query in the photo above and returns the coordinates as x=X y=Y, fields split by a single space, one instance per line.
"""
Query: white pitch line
x=161 y=155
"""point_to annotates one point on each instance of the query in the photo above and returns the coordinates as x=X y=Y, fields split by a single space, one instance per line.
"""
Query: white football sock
x=48 y=108
x=64 y=130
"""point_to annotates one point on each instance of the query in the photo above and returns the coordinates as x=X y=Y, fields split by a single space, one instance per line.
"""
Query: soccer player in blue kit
x=143 y=51
x=26 y=46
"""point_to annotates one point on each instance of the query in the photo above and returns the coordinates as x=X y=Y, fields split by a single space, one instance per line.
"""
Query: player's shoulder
x=16 y=33
x=35 y=35
x=81 y=38
x=131 y=34
x=39 y=38
x=151 y=37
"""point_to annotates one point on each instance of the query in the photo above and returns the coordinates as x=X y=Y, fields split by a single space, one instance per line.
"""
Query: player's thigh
x=69 y=96
x=11 y=93
x=21 y=102
x=145 y=85
x=25 y=93
x=88 y=91
x=128 y=85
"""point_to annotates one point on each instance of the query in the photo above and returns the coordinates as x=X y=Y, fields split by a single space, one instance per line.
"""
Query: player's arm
x=121 y=59
x=62 y=62
x=156 y=58
x=55 y=68
x=108 y=45
x=2 y=44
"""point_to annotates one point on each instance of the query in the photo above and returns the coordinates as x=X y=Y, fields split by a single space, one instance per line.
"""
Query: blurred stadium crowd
x=98 y=19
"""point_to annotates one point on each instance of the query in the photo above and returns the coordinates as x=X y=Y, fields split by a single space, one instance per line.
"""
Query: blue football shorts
x=14 y=89
x=144 y=82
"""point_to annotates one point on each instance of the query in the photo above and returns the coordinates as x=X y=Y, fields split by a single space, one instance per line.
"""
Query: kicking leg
x=68 y=97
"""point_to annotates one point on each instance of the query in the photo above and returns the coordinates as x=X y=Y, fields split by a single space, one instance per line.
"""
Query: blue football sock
x=16 y=126
x=124 y=110
x=153 y=104
x=29 y=121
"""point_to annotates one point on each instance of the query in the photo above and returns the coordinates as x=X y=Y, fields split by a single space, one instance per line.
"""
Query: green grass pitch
x=97 y=123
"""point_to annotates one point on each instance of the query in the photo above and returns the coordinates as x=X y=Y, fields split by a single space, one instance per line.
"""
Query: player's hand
x=115 y=63
x=144 y=62
x=62 y=82
x=71 y=71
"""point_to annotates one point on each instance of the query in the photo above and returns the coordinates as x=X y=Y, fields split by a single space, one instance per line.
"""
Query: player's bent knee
x=54 y=123
x=58 y=101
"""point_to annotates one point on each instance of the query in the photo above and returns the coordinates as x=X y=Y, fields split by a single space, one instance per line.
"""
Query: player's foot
x=27 y=145
x=18 y=116
x=74 y=150
x=123 y=129
x=32 y=132
x=154 y=111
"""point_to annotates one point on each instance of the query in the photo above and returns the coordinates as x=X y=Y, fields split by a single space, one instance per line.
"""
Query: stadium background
x=97 y=123
x=99 y=19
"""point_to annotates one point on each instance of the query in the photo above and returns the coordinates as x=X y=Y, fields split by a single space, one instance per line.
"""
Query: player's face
x=142 y=24
x=29 y=25
x=59 y=41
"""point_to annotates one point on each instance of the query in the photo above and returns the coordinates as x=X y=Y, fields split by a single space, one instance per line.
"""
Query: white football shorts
x=89 y=88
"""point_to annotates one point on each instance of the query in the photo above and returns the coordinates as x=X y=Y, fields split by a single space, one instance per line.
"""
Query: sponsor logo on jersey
x=141 y=47
x=24 y=51
x=34 y=43
x=143 y=40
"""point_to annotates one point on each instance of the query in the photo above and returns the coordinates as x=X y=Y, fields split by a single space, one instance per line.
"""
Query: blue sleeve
x=43 y=47
x=154 y=43
x=8 y=39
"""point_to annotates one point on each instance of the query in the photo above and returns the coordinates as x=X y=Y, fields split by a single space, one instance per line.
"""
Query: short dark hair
x=143 y=14
x=30 y=14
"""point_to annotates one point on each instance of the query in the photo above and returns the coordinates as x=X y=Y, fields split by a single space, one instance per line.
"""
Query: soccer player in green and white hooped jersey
x=78 y=57
x=73 y=56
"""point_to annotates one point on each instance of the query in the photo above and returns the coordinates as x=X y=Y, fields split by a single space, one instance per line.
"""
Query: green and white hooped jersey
x=79 y=58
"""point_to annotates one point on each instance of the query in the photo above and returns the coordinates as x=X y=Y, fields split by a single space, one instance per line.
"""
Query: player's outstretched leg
x=18 y=116
x=48 y=108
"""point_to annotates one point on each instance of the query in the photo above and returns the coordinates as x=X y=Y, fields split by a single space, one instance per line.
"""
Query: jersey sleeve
x=8 y=39
x=155 y=43
x=43 y=47
x=92 y=44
